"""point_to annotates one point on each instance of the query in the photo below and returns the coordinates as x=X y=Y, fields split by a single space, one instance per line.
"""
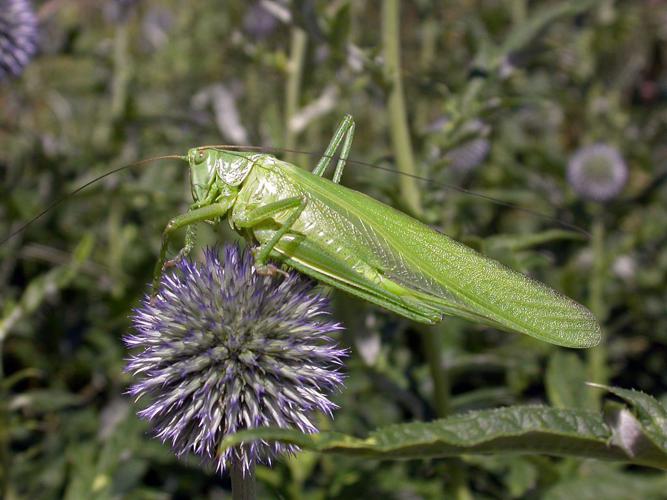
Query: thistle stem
x=243 y=482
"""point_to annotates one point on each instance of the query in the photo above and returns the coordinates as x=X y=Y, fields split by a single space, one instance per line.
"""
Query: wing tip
x=587 y=334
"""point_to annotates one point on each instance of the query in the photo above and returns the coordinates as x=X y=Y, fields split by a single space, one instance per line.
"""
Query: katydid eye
x=200 y=157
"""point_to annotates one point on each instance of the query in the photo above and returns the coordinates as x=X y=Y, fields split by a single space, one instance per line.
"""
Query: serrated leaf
x=519 y=429
x=651 y=417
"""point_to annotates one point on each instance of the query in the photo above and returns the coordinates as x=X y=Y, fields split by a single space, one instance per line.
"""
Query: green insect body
x=355 y=243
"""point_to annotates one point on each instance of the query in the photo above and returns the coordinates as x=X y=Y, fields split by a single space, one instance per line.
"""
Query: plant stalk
x=597 y=356
x=243 y=482
x=400 y=136
x=293 y=88
x=410 y=193
x=432 y=347
x=5 y=460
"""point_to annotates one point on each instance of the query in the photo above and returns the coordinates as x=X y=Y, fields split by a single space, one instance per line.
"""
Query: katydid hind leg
x=344 y=154
x=371 y=284
x=184 y=220
x=344 y=133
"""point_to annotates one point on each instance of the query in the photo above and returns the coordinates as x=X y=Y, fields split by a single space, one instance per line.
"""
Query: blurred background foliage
x=499 y=94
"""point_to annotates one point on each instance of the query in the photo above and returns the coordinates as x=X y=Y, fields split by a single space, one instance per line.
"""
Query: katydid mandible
x=353 y=242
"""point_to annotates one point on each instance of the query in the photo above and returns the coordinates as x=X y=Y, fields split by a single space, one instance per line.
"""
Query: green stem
x=432 y=347
x=519 y=12
x=411 y=195
x=5 y=462
x=4 y=447
x=597 y=356
x=406 y=164
x=243 y=482
x=119 y=88
x=430 y=32
x=400 y=136
x=293 y=89
x=121 y=71
x=460 y=484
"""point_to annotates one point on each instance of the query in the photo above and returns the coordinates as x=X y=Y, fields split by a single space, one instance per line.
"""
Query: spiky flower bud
x=18 y=36
x=223 y=348
x=597 y=172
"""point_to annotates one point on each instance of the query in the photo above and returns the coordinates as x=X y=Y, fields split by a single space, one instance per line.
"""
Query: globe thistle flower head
x=597 y=172
x=223 y=348
x=18 y=36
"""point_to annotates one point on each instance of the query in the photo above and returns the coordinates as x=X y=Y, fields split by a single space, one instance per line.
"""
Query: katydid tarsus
x=355 y=243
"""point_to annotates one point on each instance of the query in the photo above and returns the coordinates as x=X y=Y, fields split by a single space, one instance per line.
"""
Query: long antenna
x=236 y=147
x=451 y=187
x=81 y=188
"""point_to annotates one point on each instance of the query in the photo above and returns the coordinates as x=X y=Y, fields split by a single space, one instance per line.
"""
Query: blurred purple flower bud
x=469 y=155
x=258 y=22
x=597 y=172
x=18 y=36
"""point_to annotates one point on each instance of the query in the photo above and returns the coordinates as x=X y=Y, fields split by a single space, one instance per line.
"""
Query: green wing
x=344 y=226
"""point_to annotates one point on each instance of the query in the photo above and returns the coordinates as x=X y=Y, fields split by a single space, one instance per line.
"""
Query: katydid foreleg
x=187 y=219
x=190 y=241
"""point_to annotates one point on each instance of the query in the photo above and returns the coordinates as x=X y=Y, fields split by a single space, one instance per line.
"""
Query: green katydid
x=355 y=243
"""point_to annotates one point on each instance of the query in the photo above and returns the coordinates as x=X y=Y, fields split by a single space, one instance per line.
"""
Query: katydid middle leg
x=260 y=214
x=344 y=134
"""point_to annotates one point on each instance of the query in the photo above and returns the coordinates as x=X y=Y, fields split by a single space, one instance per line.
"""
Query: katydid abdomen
x=356 y=243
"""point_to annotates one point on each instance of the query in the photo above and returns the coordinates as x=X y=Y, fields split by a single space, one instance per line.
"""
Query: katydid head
x=215 y=169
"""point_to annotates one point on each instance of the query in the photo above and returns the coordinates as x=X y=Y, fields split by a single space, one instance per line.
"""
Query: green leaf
x=614 y=485
x=650 y=422
x=44 y=400
x=521 y=477
x=519 y=429
x=517 y=242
